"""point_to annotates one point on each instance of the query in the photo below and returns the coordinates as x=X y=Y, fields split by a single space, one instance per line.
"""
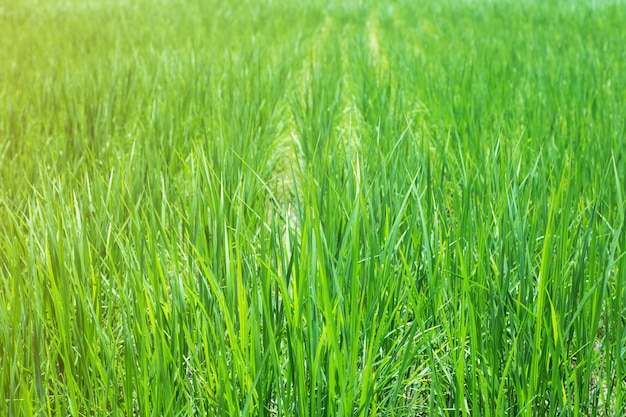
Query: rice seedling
x=331 y=208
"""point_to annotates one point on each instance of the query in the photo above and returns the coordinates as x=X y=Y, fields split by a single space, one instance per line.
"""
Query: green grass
x=325 y=208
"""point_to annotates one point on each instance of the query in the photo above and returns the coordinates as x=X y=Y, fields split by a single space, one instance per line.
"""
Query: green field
x=312 y=208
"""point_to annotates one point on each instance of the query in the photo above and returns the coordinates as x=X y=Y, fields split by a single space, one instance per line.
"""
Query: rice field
x=323 y=208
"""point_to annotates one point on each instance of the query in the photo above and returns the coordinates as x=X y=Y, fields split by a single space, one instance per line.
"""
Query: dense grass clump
x=325 y=208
